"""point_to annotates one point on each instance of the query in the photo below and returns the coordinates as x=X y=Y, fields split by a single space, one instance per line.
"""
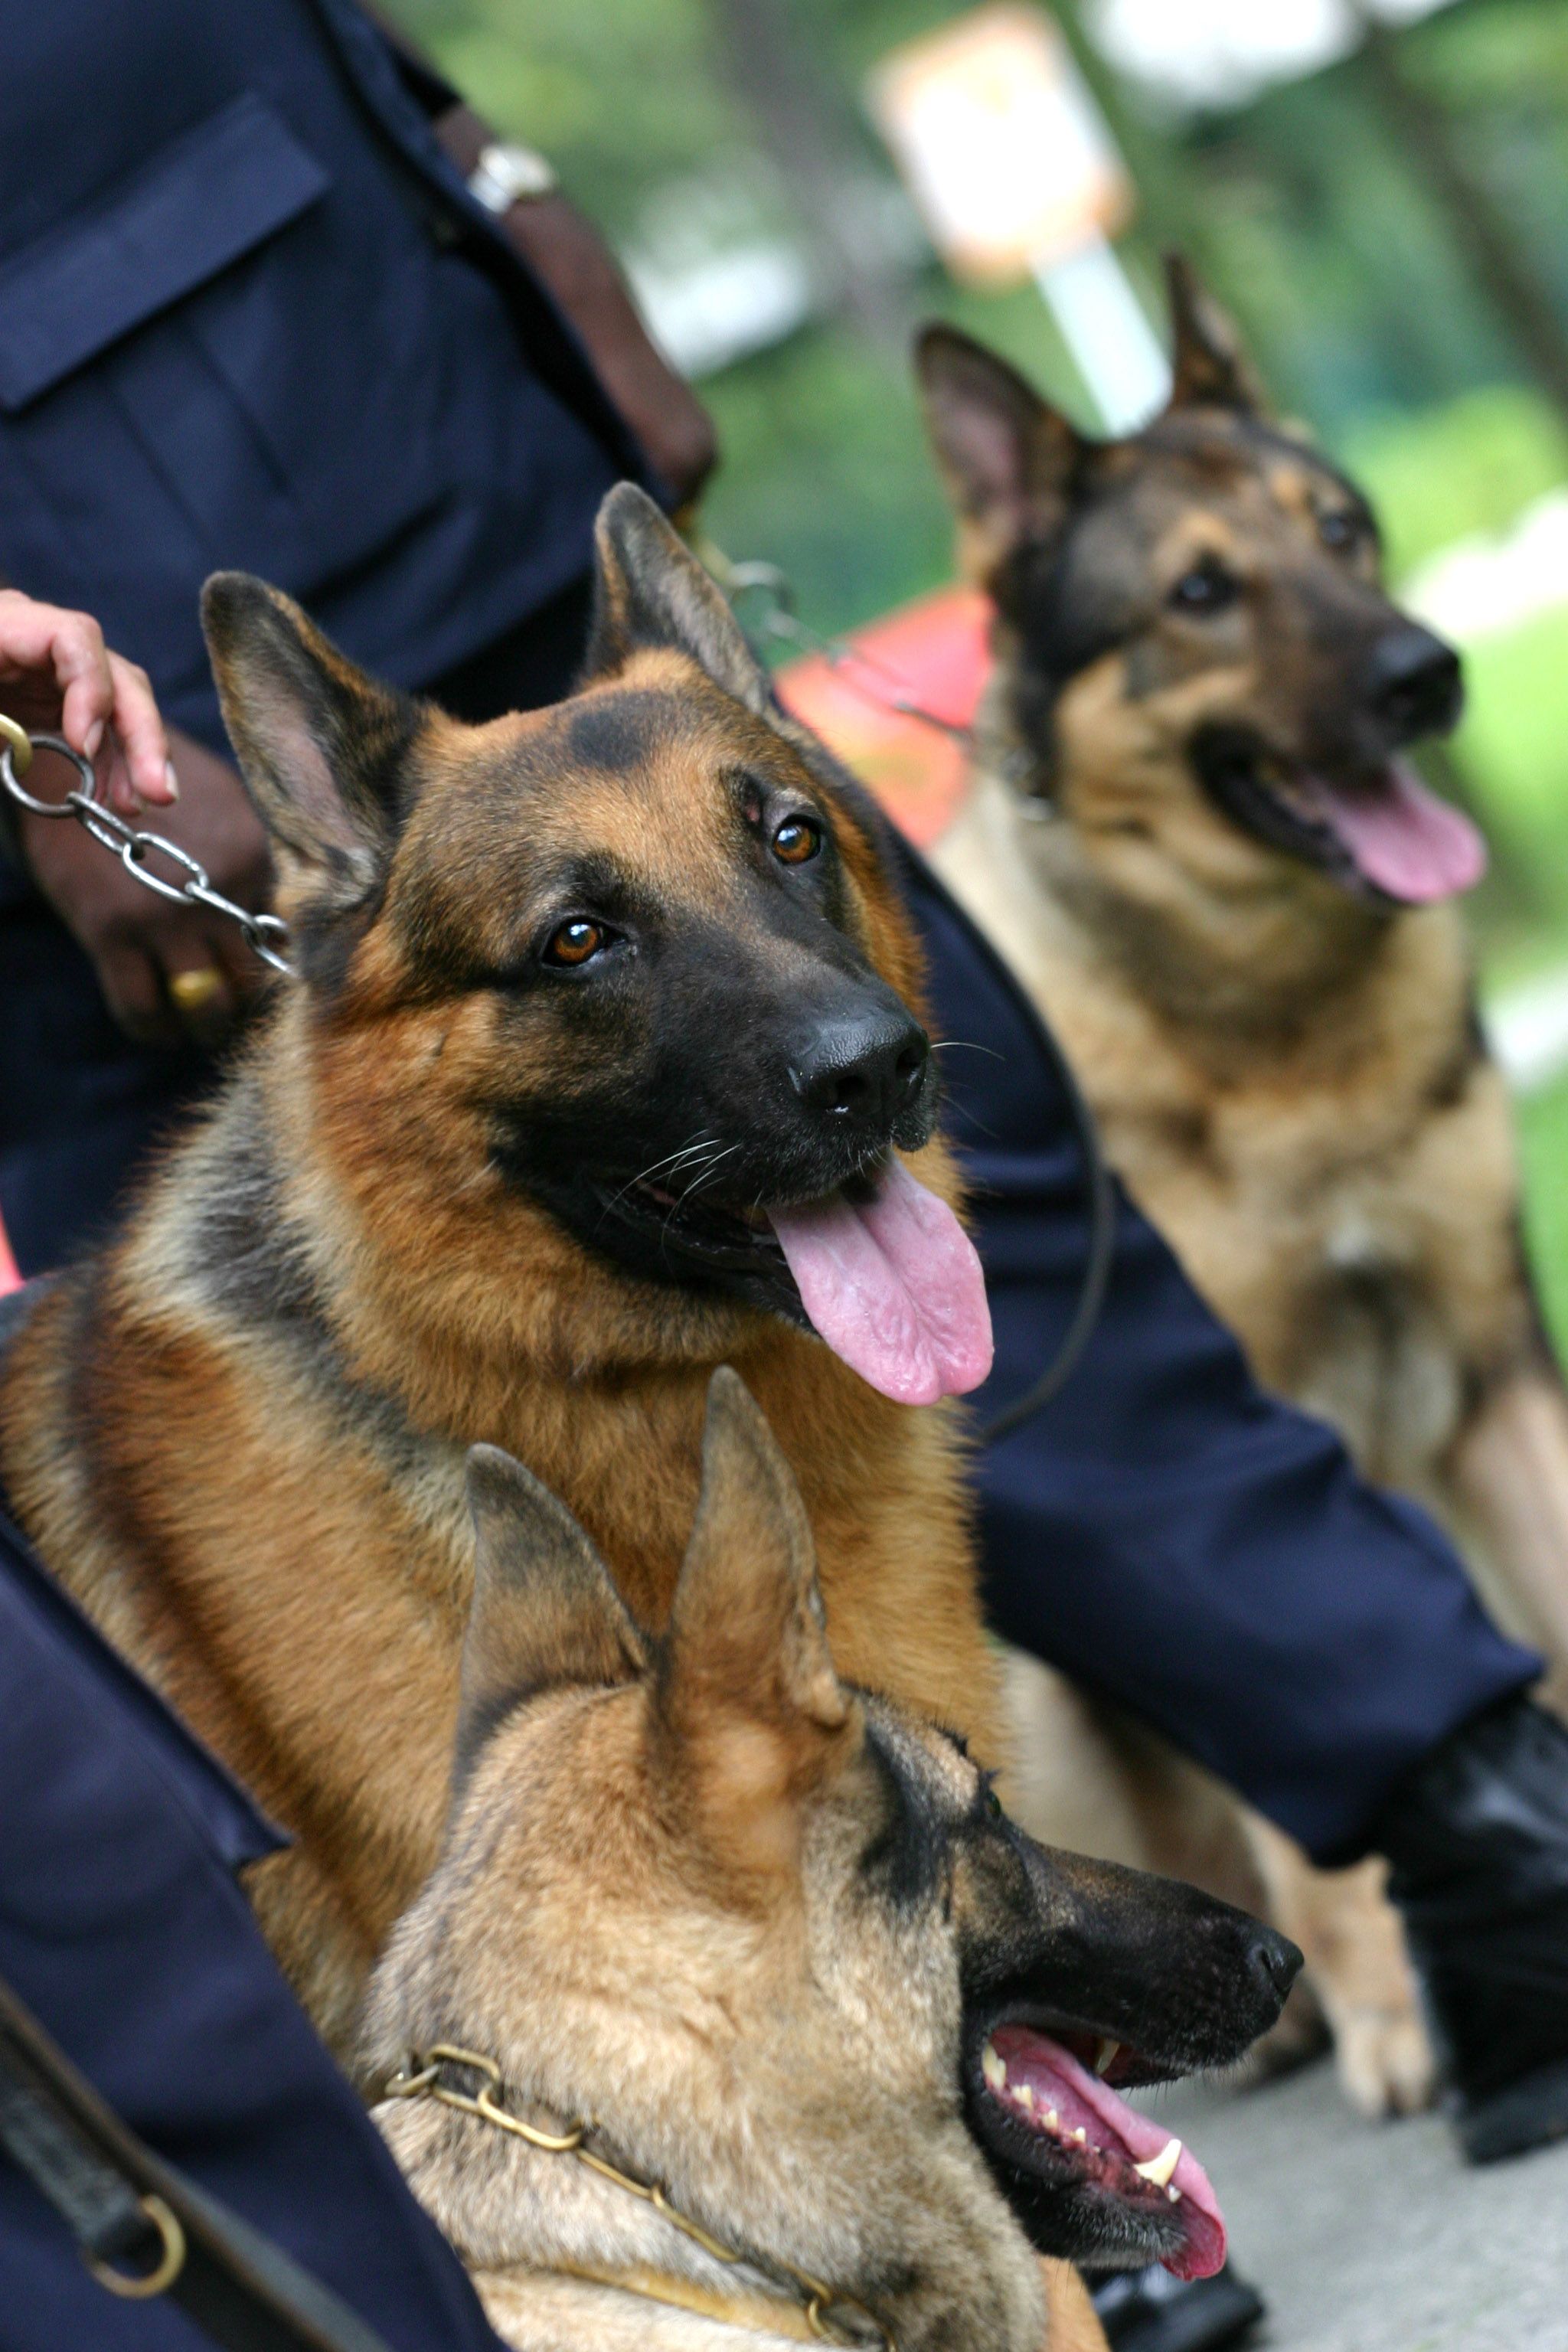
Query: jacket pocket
x=207 y=198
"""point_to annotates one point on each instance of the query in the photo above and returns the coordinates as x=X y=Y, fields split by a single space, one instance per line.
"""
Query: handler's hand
x=58 y=678
x=139 y=942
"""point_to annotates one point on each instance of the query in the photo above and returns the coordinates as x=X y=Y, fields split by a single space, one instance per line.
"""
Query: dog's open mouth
x=1046 y=2109
x=881 y=1269
x=1382 y=835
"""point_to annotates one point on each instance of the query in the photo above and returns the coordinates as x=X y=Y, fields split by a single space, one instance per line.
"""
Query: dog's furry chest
x=1350 y=1287
x=1352 y=1217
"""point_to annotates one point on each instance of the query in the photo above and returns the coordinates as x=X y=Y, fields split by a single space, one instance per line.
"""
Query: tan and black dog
x=1191 y=836
x=773 y=1944
x=596 y=1073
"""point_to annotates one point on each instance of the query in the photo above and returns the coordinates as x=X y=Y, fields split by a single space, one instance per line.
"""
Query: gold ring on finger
x=193 y=991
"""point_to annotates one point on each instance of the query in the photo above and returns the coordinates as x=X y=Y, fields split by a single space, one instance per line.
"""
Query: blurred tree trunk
x=1491 y=247
x=807 y=129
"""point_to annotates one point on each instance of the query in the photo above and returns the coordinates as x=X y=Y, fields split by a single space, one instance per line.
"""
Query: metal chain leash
x=268 y=935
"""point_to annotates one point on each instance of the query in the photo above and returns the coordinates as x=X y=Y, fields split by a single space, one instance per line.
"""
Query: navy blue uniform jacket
x=252 y=318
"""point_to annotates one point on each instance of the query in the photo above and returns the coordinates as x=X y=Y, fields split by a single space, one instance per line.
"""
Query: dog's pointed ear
x=1209 y=366
x=319 y=743
x=751 y=1712
x=1009 y=459
x=544 y=1611
x=650 y=591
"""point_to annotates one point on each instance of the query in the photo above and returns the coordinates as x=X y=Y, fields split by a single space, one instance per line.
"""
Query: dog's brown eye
x=797 y=840
x=575 y=943
x=1208 y=588
x=1337 y=529
x=994 y=1804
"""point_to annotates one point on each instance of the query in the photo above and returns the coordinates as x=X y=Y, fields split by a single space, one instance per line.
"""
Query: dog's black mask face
x=630 y=940
x=1078 y=1981
x=1200 y=642
x=689 y=1030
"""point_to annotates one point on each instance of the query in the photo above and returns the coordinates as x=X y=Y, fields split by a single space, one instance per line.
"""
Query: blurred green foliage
x=1300 y=208
x=1437 y=475
x=1544 y=1149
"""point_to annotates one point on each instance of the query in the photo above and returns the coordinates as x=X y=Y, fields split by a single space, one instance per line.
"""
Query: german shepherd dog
x=1192 y=835
x=596 y=1073
x=769 y=1943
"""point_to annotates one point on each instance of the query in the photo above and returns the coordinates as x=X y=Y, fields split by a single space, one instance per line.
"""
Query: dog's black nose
x=1274 y=1962
x=863 y=1072
x=1414 y=682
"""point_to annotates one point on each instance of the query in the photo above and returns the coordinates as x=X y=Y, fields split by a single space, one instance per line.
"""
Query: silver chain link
x=266 y=935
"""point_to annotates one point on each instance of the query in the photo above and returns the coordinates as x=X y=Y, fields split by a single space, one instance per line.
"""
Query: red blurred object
x=9 y=1277
x=933 y=653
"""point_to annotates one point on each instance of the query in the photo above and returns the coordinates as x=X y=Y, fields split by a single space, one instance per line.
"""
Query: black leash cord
x=1097 y=1260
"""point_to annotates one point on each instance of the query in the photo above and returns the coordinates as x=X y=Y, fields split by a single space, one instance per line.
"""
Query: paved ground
x=1375 y=2238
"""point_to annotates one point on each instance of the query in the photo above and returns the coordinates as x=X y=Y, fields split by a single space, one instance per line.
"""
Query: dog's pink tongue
x=1415 y=847
x=894 y=1287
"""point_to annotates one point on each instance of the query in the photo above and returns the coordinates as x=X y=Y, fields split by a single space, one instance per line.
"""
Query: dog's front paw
x=1384 y=2061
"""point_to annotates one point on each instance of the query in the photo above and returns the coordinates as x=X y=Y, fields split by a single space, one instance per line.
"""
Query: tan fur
x=280 y=1543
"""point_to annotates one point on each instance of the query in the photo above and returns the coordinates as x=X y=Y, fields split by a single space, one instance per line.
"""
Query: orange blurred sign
x=1006 y=154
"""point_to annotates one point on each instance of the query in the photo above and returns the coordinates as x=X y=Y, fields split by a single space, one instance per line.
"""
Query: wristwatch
x=508 y=174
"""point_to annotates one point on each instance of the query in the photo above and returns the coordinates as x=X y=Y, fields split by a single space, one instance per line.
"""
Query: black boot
x=1149 y=2311
x=1477 y=1839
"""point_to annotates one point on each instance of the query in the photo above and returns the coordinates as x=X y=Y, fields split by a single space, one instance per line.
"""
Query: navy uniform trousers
x=1165 y=1531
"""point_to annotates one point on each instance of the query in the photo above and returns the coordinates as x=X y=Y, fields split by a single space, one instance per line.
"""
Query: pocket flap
x=204 y=199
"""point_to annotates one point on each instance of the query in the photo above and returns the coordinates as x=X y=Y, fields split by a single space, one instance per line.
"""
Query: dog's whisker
x=705 y=1174
x=691 y=1149
x=964 y=1045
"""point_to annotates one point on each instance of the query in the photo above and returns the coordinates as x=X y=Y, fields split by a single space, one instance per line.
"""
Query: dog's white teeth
x=1053 y=2120
x=1106 y=2056
x=1025 y=2097
x=1080 y=2134
x=1174 y=2195
x=1159 y=2168
x=993 y=2067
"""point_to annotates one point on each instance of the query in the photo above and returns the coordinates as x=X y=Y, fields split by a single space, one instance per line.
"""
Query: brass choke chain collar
x=817 y=2300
